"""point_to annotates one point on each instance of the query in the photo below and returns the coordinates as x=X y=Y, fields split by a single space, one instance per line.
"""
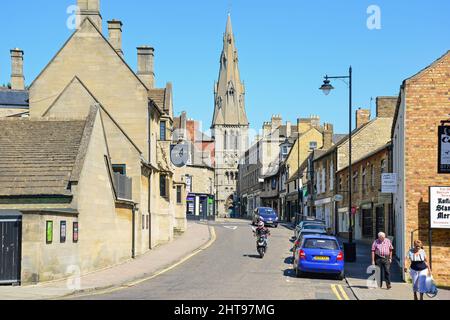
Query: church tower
x=230 y=125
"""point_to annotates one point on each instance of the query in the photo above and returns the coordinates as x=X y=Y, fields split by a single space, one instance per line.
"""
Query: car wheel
x=298 y=273
x=341 y=276
x=276 y=225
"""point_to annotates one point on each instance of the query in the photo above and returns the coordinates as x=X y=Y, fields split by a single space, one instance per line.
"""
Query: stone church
x=229 y=125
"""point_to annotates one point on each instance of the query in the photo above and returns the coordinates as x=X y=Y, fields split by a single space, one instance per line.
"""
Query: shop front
x=200 y=206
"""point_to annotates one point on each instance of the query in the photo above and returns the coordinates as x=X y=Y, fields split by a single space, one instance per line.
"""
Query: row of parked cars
x=315 y=250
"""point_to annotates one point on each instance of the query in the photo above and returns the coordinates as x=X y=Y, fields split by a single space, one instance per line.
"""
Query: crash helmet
x=261 y=224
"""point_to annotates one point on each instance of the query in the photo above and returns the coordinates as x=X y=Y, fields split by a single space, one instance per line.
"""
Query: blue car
x=319 y=254
x=266 y=215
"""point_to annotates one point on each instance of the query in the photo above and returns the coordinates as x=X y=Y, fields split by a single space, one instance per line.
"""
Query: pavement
x=231 y=269
x=357 y=275
x=159 y=260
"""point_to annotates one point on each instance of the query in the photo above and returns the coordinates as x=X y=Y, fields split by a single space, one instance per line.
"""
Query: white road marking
x=230 y=227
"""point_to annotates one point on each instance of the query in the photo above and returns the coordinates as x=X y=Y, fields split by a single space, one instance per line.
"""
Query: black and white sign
x=389 y=183
x=179 y=154
x=444 y=149
x=440 y=207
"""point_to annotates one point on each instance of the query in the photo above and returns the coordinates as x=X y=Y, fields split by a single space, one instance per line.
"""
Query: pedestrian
x=419 y=268
x=382 y=257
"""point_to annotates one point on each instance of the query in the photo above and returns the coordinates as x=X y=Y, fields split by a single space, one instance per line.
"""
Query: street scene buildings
x=99 y=172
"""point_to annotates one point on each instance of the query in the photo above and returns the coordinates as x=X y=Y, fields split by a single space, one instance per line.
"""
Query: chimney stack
x=327 y=136
x=288 y=129
x=145 y=66
x=386 y=107
x=115 y=35
x=362 y=117
x=91 y=9
x=17 y=78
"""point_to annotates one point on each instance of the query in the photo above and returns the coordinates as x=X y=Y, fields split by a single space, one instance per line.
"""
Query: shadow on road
x=291 y=273
x=256 y=256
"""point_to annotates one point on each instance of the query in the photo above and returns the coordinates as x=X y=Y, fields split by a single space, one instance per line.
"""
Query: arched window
x=225 y=140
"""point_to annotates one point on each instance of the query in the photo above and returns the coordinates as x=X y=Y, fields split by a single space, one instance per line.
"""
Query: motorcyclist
x=261 y=229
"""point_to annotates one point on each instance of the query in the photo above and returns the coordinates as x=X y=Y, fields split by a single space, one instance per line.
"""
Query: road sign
x=389 y=183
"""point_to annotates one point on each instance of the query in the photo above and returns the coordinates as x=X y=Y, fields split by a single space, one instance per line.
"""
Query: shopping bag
x=430 y=285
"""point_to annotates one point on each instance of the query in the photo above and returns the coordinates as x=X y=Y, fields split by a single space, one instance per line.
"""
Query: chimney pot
x=17 y=77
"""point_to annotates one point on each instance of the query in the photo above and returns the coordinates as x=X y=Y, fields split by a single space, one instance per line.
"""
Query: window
x=372 y=175
x=318 y=182
x=312 y=145
x=284 y=150
x=120 y=168
x=323 y=184
x=355 y=182
x=364 y=181
x=148 y=222
x=162 y=131
x=383 y=166
x=340 y=184
x=143 y=222
x=331 y=176
x=179 y=194
x=163 y=192
x=62 y=231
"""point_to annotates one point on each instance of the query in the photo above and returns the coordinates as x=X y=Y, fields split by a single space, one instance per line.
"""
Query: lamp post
x=350 y=247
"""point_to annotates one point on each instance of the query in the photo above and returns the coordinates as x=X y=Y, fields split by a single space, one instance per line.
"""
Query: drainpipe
x=133 y=233
x=149 y=212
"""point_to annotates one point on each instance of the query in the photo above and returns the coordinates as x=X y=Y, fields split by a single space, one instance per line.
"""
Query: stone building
x=370 y=158
x=310 y=137
x=229 y=125
x=423 y=102
x=262 y=160
x=137 y=119
x=198 y=173
x=50 y=170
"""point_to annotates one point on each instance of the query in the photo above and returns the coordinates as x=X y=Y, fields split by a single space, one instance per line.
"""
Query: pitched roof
x=39 y=157
x=158 y=96
x=12 y=99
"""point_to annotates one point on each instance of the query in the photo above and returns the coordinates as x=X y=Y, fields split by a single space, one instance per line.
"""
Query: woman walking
x=419 y=268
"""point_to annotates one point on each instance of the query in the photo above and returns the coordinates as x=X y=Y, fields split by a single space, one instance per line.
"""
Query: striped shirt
x=382 y=248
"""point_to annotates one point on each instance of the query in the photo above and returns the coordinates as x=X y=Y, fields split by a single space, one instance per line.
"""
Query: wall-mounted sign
x=75 y=232
x=62 y=232
x=179 y=154
x=49 y=231
x=389 y=183
x=338 y=198
x=440 y=207
x=444 y=149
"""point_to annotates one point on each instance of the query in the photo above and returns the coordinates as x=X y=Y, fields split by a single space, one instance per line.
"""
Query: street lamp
x=350 y=247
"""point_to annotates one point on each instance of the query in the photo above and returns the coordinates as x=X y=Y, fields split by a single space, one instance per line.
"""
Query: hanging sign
x=440 y=207
x=444 y=149
x=389 y=183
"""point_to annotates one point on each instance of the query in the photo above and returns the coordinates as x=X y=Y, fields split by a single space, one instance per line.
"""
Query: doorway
x=10 y=247
x=380 y=220
x=367 y=227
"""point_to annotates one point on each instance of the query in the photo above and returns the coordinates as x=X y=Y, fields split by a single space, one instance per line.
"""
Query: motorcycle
x=261 y=243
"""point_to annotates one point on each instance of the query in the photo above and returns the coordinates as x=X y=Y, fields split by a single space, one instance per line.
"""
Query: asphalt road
x=231 y=270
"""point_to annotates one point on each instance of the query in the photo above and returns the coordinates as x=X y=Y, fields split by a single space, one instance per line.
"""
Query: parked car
x=319 y=254
x=309 y=225
x=303 y=233
x=266 y=215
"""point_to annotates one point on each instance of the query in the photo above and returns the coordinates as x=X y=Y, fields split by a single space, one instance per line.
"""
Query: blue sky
x=285 y=48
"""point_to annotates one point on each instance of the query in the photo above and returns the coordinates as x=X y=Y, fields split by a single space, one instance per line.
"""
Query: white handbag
x=432 y=290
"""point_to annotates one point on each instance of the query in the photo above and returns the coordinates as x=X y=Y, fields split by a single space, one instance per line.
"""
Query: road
x=230 y=269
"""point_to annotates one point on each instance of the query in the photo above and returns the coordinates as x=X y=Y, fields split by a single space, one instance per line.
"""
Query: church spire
x=229 y=91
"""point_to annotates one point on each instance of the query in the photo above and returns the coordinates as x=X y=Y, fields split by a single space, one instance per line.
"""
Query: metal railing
x=123 y=186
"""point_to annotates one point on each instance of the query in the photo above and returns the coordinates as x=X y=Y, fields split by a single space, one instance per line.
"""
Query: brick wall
x=427 y=97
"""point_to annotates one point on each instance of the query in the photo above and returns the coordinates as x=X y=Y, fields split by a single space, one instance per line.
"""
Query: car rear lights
x=340 y=256
x=302 y=255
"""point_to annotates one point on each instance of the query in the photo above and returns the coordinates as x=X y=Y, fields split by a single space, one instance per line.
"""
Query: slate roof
x=13 y=99
x=338 y=137
x=158 y=96
x=39 y=157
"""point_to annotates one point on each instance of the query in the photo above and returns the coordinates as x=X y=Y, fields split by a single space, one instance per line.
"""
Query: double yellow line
x=340 y=294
